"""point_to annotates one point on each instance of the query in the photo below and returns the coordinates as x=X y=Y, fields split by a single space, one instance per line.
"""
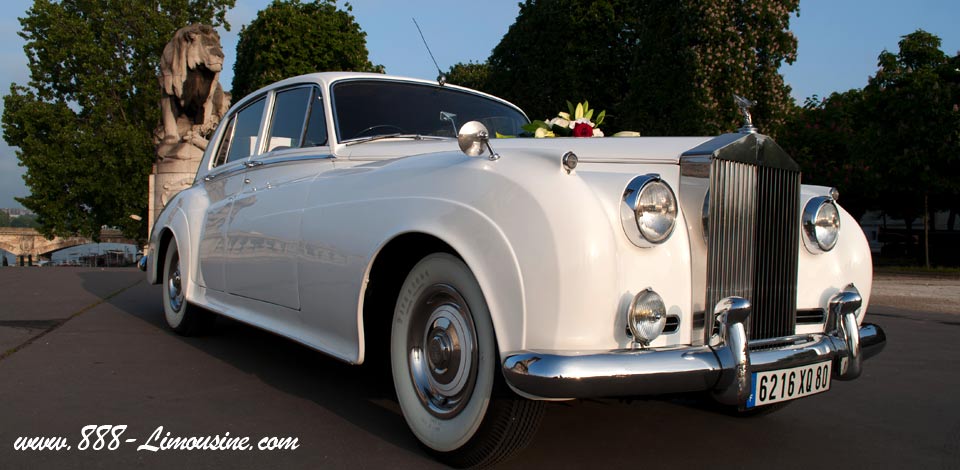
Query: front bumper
x=724 y=368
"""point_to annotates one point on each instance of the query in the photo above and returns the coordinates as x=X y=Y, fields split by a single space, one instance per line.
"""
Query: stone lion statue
x=192 y=101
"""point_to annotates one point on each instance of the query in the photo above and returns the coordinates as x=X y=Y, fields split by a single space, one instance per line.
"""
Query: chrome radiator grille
x=752 y=242
x=775 y=267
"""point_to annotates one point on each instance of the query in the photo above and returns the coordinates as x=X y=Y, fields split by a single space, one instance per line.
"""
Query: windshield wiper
x=394 y=136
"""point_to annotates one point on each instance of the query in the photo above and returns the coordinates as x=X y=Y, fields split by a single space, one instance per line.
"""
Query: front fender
x=172 y=220
x=342 y=262
x=823 y=275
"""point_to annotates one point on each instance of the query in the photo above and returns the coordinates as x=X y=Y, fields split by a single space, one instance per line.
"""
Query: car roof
x=325 y=79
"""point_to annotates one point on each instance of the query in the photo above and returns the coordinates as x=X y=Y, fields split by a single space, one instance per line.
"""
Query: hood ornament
x=745 y=105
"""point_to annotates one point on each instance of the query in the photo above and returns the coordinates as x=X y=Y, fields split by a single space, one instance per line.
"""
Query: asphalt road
x=86 y=347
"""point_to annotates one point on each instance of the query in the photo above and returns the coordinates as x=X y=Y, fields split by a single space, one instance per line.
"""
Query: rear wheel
x=445 y=369
x=183 y=318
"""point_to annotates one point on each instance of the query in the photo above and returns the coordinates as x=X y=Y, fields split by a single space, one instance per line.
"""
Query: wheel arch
x=173 y=227
x=163 y=240
x=494 y=266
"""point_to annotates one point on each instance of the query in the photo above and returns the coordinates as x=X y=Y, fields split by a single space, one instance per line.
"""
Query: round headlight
x=648 y=211
x=646 y=317
x=821 y=224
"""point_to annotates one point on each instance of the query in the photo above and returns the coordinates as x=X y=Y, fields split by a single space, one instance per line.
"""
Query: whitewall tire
x=445 y=368
x=182 y=317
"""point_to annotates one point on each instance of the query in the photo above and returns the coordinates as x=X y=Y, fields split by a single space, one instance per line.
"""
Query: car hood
x=589 y=150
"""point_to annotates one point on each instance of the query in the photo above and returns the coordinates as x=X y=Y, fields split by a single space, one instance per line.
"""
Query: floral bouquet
x=576 y=123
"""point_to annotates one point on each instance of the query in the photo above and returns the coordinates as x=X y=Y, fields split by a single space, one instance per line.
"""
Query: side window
x=221 y=157
x=316 y=133
x=245 y=126
x=289 y=113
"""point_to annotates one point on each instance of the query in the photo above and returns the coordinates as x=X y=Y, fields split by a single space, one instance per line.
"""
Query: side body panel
x=263 y=238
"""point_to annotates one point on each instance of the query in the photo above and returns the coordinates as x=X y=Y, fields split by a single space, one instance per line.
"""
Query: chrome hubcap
x=442 y=351
x=174 y=290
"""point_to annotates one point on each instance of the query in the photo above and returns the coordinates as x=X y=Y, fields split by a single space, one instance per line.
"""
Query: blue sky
x=839 y=43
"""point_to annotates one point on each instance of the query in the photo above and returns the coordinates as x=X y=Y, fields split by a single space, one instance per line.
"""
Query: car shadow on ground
x=362 y=395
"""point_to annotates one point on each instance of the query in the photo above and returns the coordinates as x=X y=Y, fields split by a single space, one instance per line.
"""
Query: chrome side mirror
x=474 y=138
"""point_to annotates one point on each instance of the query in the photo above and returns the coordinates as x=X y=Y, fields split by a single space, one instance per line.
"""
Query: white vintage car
x=371 y=216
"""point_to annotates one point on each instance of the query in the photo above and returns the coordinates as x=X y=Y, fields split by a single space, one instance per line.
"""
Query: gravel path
x=928 y=294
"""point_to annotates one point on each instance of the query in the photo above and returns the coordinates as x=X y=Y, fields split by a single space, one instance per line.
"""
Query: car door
x=263 y=236
x=237 y=143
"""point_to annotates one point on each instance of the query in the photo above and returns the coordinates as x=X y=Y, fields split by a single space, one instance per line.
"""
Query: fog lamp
x=646 y=317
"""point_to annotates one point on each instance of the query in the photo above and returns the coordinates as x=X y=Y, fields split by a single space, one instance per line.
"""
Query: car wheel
x=183 y=318
x=445 y=369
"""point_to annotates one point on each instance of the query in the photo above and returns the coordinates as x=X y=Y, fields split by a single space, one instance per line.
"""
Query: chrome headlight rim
x=817 y=231
x=631 y=210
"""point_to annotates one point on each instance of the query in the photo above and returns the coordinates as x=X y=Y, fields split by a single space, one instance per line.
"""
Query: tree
x=564 y=50
x=471 y=75
x=84 y=122
x=24 y=221
x=290 y=38
x=693 y=55
x=661 y=67
x=914 y=131
x=826 y=137
x=4 y=219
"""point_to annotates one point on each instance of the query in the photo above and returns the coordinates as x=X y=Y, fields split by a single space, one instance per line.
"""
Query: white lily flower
x=542 y=132
x=564 y=115
x=597 y=132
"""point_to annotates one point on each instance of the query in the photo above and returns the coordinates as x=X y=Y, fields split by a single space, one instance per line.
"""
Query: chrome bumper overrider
x=724 y=367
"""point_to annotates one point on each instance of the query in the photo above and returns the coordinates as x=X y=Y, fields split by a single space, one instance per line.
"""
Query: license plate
x=779 y=385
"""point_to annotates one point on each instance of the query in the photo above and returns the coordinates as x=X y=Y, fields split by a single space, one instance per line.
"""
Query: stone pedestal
x=174 y=173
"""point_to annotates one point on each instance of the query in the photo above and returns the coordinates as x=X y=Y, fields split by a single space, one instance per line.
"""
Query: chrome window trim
x=267 y=126
x=280 y=159
x=238 y=166
x=232 y=115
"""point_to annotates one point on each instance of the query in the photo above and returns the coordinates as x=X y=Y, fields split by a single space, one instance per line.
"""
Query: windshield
x=366 y=108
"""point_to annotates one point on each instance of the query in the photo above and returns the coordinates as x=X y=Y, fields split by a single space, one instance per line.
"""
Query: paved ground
x=114 y=362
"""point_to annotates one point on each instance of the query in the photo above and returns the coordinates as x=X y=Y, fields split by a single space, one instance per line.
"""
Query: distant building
x=15 y=212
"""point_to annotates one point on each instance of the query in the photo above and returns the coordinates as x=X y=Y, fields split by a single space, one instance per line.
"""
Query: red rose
x=582 y=129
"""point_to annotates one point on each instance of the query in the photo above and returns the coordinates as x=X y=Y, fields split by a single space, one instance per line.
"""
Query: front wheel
x=183 y=318
x=445 y=369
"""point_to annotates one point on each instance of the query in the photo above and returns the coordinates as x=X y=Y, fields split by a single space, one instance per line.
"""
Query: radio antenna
x=441 y=78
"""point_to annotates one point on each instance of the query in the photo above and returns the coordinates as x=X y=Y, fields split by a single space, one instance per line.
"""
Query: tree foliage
x=290 y=38
x=83 y=123
x=24 y=221
x=693 y=55
x=826 y=137
x=658 y=66
x=564 y=50
x=913 y=105
x=895 y=144
x=471 y=75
